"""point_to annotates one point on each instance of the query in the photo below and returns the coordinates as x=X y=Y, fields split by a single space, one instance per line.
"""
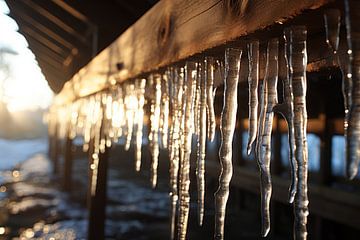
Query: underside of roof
x=65 y=35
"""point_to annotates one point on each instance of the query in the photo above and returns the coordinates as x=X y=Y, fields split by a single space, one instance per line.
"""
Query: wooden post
x=90 y=172
x=97 y=215
x=55 y=150
x=67 y=174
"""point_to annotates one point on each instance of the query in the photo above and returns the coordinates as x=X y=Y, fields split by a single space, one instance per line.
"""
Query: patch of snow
x=12 y=152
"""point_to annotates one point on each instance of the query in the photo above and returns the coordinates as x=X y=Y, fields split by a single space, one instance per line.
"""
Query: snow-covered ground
x=13 y=152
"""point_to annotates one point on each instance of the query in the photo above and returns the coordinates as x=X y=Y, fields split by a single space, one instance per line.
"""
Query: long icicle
x=286 y=109
x=155 y=122
x=185 y=168
x=200 y=170
x=164 y=116
x=209 y=73
x=227 y=127
x=140 y=86
x=173 y=146
x=352 y=20
x=197 y=101
x=253 y=81
x=263 y=151
x=177 y=89
x=129 y=113
x=298 y=81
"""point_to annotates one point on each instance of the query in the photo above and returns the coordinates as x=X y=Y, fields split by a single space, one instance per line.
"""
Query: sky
x=26 y=87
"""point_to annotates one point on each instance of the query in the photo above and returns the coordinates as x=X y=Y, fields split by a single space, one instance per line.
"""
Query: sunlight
x=23 y=86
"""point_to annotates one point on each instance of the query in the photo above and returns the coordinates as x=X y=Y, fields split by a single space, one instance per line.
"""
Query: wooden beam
x=177 y=29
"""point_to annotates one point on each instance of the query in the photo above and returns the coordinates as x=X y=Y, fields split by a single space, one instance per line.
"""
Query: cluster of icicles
x=182 y=106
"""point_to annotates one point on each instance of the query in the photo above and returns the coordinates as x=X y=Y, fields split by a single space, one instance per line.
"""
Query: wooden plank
x=174 y=30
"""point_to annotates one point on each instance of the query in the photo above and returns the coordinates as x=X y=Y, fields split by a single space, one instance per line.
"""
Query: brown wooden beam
x=176 y=29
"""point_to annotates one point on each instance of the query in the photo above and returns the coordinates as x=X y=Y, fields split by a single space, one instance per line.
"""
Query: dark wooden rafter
x=30 y=33
x=54 y=19
x=24 y=19
x=72 y=11
x=81 y=28
x=41 y=50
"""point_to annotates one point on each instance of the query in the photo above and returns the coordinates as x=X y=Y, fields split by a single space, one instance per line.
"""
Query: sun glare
x=22 y=84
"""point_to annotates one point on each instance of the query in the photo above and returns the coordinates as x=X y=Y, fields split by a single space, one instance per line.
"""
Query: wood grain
x=174 y=30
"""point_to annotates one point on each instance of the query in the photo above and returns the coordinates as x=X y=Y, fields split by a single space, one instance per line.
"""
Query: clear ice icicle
x=227 y=127
x=209 y=75
x=176 y=102
x=199 y=70
x=253 y=80
x=140 y=88
x=155 y=123
x=298 y=81
x=263 y=147
x=332 y=28
x=164 y=116
x=286 y=109
x=130 y=105
x=200 y=170
x=185 y=168
x=352 y=20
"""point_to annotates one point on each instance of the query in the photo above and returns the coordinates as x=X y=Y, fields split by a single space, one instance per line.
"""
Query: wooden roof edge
x=174 y=30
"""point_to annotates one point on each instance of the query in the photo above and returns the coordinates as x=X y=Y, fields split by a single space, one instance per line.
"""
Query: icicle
x=197 y=99
x=209 y=76
x=227 y=127
x=286 y=109
x=107 y=124
x=298 y=65
x=194 y=89
x=174 y=147
x=200 y=170
x=263 y=147
x=253 y=79
x=140 y=88
x=332 y=28
x=155 y=124
x=352 y=20
x=185 y=167
x=130 y=107
x=164 y=115
x=97 y=119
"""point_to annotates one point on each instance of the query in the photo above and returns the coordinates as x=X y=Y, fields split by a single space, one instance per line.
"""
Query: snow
x=12 y=152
